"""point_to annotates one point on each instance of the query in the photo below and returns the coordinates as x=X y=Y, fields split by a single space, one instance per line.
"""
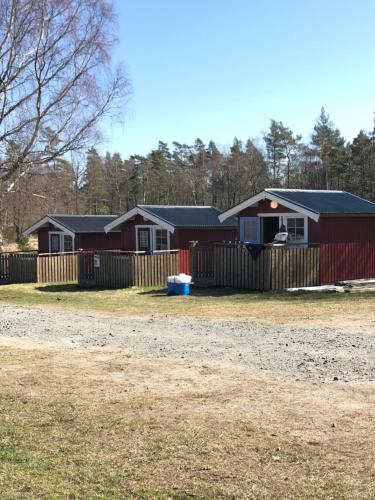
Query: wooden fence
x=122 y=270
x=34 y=268
x=227 y=265
x=56 y=268
x=234 y=266
x=4 y=268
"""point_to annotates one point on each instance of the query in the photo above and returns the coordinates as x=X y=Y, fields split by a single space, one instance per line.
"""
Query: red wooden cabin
x=341 y=223
x=67 y=233
x=152 y=228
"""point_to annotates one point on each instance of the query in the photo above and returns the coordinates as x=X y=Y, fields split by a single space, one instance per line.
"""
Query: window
x=250 y=230
x=296 y=229
x=161 y=239
x=143 y=236
x=54 y=243
x=60 y=242
x=152 y=238
x=68 y=243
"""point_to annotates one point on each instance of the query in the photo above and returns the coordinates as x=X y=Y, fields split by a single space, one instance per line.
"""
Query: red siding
x=263 y=207
x=184 y=261
x=86 y=241
x=43 y=240
x=347 y=249
x=128 y=241
x=182 y=237
x=98 y=241
x=313 y=231
x=179 y=239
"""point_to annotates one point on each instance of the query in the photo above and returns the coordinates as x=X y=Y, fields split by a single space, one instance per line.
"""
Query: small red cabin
x=341 y=223
x=151 y=228
x=67 y=233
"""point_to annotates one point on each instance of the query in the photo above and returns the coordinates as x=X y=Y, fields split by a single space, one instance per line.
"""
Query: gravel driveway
x=304 y=352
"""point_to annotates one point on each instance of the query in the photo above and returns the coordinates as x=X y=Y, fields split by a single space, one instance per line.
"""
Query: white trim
x=269 y=196
x=43 y=222
x=178 y=206
x=138 y=211
x=238 y=208
x=153 y=229
x=282 y=190
x=283 y=219
x=305 y=227
x=293 y=206
x=61 y=241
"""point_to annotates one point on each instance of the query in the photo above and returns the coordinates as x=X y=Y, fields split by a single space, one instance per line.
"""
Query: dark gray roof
x=183 y=216
x=326 y=202
x=84 y=223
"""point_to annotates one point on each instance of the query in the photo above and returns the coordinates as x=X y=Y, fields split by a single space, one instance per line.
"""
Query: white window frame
x=283 y=219
x=153 y=228
x=61 y=241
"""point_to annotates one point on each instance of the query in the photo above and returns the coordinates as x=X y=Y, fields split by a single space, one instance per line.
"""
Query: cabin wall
x=98 y=241
x=84 y=241
x=182 y=237
x=264 y=206
x=347 y=249
x=128 y=241
x=179 y=239
x=43 y=238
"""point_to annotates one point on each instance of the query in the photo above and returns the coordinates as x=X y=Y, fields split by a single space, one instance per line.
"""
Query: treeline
x=198 y=174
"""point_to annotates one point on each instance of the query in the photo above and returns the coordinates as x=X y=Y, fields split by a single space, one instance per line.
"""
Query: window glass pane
x=54 y=243
x=143 y=238
x=296 y=228
x=300 y=223
x=161 y=236
x=250 y=230
x=68 y=243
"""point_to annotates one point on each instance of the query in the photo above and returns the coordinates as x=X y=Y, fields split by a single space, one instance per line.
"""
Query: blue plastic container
x=178 y=289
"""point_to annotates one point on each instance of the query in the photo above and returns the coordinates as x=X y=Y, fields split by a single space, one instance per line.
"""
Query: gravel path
x=303 y=352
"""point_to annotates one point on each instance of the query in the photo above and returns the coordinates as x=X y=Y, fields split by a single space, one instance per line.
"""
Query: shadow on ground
x=215 y=292
x=65 y=287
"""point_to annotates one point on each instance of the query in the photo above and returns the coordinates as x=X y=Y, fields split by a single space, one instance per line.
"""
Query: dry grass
x=90 y=424
x=204 y=303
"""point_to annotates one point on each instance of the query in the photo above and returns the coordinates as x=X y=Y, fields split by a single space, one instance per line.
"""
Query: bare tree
x=55 y=74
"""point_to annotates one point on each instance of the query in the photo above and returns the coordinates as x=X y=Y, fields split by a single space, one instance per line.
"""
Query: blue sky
x=217 y=69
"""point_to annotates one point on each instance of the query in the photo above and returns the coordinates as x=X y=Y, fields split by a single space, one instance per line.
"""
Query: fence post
x=37 y=268
x=215 y=264
x=192 y=253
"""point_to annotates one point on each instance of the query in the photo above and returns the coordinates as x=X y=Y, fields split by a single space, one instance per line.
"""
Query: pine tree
x=362 y=166
x=330 y=151
x=95 y=186
x=157 y=181
x=115 y=174
x=275 y=152
x=256 y=169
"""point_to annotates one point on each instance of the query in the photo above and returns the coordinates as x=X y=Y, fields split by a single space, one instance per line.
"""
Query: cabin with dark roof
x=68 y=233
x=341 y=223
x=151 y=228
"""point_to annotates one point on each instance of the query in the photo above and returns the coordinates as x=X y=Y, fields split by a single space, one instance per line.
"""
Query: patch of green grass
x=209 y=302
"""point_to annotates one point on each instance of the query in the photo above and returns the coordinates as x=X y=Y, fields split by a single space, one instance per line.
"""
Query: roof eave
x=139 y=211
x=48 y=219
x=269 y=196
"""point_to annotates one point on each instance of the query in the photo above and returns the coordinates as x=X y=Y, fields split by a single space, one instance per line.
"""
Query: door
x=250 y=230
x=270 y=228
x=144 y=239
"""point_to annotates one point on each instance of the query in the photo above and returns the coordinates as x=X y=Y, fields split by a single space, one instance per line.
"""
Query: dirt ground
x=94 y=406
x=316 y=351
